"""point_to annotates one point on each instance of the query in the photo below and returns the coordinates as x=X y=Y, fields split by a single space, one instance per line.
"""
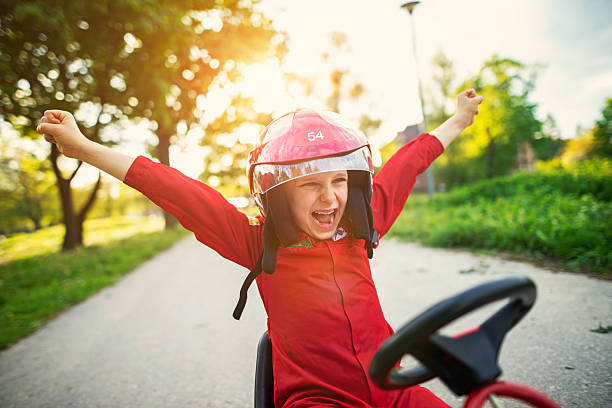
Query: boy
x=321 y=217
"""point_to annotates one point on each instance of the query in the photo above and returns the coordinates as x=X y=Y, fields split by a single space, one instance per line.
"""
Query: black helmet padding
x=279 y=229
x=358 y=212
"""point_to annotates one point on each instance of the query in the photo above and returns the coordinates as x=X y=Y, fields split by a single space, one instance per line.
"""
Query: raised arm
x=394 y=182
x=60 y=128
x=198 y=207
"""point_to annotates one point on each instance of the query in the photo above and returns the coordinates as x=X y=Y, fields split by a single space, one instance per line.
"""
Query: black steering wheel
x=464 y=362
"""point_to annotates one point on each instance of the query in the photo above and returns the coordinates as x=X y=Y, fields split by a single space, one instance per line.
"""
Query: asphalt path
x=164 y=336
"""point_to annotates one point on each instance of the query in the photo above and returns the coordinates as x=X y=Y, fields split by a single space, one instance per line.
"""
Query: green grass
x=35 y=288
x=560 y=218
x=96 y=231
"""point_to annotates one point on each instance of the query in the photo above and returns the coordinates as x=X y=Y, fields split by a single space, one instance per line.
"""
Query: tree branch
x=91 y=199
x=53 y=157
x=75 y=171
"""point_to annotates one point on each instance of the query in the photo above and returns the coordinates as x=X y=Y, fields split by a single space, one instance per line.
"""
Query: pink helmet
x=305 y=142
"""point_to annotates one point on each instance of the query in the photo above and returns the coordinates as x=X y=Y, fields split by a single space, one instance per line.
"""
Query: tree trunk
x=73 y=221
x=74 y=232
x=163 y=154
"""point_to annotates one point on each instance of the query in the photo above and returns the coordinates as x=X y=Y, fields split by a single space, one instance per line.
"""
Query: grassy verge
x=34 y=289
x=95 y=231
x=545 y=220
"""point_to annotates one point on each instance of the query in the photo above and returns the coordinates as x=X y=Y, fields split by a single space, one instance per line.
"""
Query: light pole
x=410 y=7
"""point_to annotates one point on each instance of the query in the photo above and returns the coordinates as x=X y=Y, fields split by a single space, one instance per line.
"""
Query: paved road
x=164 y=335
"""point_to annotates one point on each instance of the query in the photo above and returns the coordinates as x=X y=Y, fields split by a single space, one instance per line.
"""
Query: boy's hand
x=467 y=107
x=60 y=128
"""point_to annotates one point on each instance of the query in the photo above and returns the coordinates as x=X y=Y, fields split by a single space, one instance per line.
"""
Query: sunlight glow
x=264 y=82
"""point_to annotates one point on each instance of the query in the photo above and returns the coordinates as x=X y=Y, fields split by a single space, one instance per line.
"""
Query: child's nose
x=327 y=195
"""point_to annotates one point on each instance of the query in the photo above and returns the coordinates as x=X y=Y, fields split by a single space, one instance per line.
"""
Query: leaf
x=541 y=235
x=602 y=330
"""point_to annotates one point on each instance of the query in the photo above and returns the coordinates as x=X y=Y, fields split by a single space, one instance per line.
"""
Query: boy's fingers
x=55 y=115
x=44 y=119
x=45 y=127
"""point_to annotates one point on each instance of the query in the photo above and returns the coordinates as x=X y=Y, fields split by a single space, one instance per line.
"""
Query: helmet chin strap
x=278 y=230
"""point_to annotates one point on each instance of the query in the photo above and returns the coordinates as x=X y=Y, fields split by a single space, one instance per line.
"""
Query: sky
x=571 y=40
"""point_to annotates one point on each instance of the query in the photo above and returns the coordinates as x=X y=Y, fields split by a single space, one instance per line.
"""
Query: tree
x=207 y=45
x=439 y=104
x=120 y=58
x=228 y=154
x=507 y=120
x=548 y=143
x=440 y=97
x=602 y=132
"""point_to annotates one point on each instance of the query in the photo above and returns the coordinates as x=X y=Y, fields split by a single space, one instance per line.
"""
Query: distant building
x=525 y=157
x=405 y=136
x=409 y=134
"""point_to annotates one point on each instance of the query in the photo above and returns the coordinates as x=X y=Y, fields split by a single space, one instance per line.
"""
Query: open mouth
x=324 y=218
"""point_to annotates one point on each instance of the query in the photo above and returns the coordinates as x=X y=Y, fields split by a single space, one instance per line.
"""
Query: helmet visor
x=267 y=176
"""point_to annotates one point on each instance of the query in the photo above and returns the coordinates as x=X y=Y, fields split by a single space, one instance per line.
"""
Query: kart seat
x=264 y=378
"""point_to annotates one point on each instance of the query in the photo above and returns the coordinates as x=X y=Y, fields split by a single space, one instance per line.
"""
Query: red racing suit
x=324 y=317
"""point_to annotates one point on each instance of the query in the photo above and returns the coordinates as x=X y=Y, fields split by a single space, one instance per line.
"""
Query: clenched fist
x=467 y=106
x=60 y=128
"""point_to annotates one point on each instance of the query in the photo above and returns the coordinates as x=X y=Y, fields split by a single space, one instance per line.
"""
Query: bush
x=563 y=215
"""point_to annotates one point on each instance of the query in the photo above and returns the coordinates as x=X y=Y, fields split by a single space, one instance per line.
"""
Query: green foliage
x=34 y=289
x=28 y=197
x=602 y=132
x=134 y=58
x=506 y=123
x=602 y=330
x=548 y=143
x=594 y=178
x=562 y=215
x=123 y=59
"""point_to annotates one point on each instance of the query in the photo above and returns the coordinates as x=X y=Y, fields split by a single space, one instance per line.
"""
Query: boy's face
x=317 y=202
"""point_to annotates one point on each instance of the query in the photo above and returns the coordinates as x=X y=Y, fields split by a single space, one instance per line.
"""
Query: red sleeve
x=199 y=208
x=395 y=180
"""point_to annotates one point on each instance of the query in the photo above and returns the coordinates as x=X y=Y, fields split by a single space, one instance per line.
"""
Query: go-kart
x=466 y=363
